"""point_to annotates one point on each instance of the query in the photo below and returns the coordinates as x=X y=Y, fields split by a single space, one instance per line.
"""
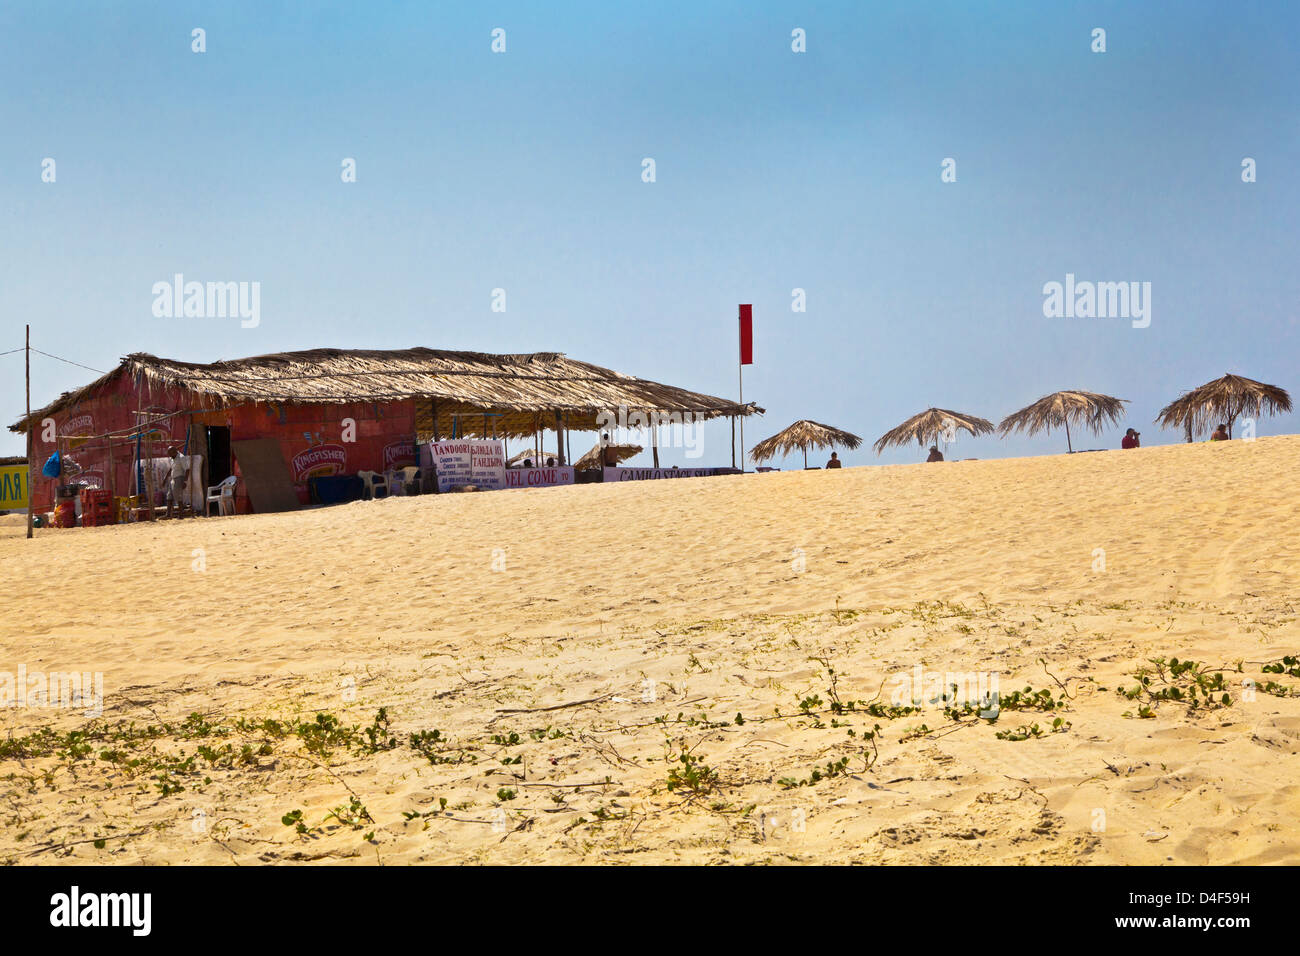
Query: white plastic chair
x=375 y=483
x=221 y=494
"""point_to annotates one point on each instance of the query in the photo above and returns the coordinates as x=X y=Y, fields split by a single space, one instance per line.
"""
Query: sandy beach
x=699 y=671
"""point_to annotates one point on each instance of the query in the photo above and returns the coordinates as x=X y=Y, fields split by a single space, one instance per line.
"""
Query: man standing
x=1132 y=439
x=176 y=491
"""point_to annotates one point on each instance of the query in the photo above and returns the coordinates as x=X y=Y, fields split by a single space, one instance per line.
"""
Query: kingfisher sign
x=318 y=461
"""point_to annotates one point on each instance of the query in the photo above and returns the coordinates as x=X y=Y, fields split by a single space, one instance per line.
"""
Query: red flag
x=746 y=335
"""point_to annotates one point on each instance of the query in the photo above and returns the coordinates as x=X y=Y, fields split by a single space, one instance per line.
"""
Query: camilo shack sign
x=651 y=474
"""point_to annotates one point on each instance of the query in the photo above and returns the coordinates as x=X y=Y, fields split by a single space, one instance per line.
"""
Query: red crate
x=96 y=507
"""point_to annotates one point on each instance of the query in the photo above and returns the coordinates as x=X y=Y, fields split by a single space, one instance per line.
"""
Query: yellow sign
x=13 y=487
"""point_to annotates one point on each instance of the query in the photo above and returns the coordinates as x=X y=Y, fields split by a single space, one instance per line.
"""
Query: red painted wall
x=312 y=438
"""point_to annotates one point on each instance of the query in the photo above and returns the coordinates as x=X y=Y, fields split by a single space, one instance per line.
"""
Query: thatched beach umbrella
x=1223 y=400
x=929 y=425
x=1091 y=410
x=803 y=435
x=594 y=459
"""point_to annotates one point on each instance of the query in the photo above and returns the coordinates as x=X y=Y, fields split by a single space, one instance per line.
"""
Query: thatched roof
x=592 y=459
x=929 y=425
x=1223 y=400
x=801 y=436
x=523 y=391
x=1092 y=410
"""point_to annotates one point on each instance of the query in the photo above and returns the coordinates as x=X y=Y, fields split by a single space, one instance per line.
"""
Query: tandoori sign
x=469 y=462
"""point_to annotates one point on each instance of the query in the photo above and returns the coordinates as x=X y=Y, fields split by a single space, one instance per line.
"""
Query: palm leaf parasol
x=593 y=458
x=929 y=425
x=1223 y=400
x=1090 y=409
x=803 y=435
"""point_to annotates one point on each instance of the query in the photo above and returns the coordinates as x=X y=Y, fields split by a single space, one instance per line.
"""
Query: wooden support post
x=733 y=440
x=654 y=444
x=559 y=438
x=148 y=478
x=31 y=491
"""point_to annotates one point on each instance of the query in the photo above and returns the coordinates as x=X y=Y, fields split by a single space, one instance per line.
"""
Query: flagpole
x=31 y=445
x=745 y=354
x=741 y=370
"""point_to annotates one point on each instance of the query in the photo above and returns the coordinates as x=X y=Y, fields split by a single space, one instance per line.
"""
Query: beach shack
x=275 y=427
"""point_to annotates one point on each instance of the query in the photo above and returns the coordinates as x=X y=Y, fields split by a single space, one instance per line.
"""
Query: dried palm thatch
x=931 y=425
x=803 y=435
x=1092 y=410
x=519 y=394
x=593 y=458
x=1223 y=401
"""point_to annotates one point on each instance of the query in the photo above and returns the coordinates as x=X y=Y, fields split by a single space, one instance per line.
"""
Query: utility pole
x=30 y=490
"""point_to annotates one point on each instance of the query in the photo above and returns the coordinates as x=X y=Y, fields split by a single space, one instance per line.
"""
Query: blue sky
x=775 y=170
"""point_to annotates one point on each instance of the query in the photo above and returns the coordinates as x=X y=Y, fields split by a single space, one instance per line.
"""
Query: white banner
x=643 y=474
x=538 y=477
x=469 y=462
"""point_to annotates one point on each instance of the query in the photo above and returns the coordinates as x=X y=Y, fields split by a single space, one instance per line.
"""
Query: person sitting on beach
x=1131 y=439
x=176 y=491
x=1220 y=433
x=935 y=454
x=835 y=460
x=528 y=463
x=550 y=463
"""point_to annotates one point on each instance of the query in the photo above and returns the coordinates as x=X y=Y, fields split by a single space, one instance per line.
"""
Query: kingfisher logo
x=159 y=420
x=318 y=461
x=83 y=424
x=399 y=453
x=133 y=910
